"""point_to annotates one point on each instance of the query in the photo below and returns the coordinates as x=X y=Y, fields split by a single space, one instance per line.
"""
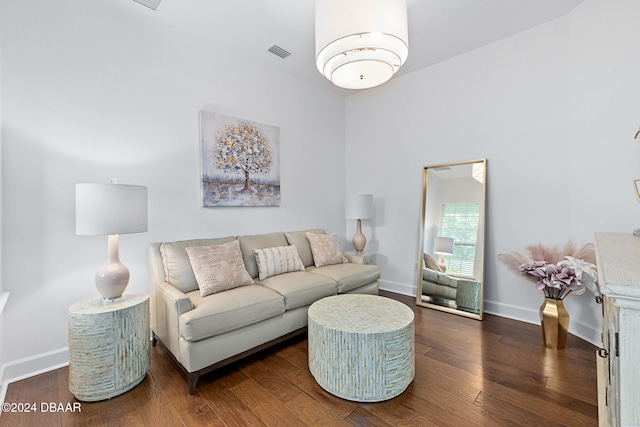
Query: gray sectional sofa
x=205 y=333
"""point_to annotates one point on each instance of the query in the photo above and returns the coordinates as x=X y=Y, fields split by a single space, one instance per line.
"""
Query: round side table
x=361 y=347
x=108 y=346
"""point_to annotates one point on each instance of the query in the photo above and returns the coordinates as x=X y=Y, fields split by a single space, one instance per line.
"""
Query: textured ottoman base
x=361 y=347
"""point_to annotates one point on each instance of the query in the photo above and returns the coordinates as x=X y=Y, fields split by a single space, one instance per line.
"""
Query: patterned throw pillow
x=277 y=260
x=325 y=249
x=218 y=268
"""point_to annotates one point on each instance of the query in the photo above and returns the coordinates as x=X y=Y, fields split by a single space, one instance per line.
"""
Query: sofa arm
x=170 y=304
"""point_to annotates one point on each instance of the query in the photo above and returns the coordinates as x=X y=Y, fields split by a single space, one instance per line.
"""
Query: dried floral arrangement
x=556 y=272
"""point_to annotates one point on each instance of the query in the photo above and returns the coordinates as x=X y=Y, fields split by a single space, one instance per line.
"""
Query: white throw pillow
x=325 y=249
x=277 y=260
x=219 y=267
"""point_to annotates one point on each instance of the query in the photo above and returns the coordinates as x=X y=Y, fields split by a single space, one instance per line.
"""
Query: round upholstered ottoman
x=361 y=347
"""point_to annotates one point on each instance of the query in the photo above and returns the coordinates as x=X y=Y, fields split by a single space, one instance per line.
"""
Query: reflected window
x=460 y=222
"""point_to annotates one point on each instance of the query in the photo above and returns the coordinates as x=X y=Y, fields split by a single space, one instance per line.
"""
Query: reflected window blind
x=460 y=222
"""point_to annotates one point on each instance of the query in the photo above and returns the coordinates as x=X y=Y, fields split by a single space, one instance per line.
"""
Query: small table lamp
x=359 y=206
x=111 y=209
x=443 y=246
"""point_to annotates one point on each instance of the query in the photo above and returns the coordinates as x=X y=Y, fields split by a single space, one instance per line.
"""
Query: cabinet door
x=610 y=341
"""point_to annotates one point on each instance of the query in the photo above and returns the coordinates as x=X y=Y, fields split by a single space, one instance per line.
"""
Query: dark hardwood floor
x=468 y=373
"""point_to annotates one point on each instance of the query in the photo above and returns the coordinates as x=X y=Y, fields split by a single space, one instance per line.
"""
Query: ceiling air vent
x=277 y=50
x=151 y=4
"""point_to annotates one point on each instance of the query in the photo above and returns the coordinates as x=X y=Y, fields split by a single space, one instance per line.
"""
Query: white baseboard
x=586 y=332
x=30 y=366
x=398 y=288
x=579 y=329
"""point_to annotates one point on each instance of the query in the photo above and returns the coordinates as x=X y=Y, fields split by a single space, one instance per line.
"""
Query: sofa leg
x=192 y=380
x=154 y=340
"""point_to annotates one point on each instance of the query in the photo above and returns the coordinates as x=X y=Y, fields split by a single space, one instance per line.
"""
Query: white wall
x=3 y=295
x=97 y=89
x=553 y=109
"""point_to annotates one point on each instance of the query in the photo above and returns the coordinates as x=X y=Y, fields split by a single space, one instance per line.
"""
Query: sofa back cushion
x=258 y=241
x=177 y=267
x=301 y=242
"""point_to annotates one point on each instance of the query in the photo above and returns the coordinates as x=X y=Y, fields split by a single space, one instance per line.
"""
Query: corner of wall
x=31 y=366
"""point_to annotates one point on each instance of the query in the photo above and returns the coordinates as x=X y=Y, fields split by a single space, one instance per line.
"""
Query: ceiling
x=438 y=29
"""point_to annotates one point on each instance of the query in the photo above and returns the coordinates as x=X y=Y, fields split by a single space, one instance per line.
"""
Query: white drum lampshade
x=361 y=43
x=111 y=209
x=359 y=206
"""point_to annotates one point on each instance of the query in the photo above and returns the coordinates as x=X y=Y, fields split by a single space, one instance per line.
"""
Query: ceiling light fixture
x=361 y=43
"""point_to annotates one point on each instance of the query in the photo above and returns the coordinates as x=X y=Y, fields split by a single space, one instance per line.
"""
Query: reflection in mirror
x=451 y=255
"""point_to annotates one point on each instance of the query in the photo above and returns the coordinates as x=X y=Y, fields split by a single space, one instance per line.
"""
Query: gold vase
x=555 y=323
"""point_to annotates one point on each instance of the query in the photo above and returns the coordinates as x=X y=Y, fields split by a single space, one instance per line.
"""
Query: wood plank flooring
x=468 y=373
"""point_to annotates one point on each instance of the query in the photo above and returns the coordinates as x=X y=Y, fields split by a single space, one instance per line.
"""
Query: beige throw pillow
x=277 y=260
x=325 y=249
x=218 y=268
x=431 y=263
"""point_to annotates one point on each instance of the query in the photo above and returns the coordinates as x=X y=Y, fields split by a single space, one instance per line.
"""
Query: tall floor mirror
x=452 y=235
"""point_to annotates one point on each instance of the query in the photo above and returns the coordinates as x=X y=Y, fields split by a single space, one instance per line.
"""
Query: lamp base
x=359 y=240
x=441 y=266
x=113 y=277
x=112 y=280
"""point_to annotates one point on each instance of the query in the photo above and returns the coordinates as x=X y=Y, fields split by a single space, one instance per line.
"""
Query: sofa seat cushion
x=436 y=290
x=348 y=276
x=300 y=288
x=439 y=278
x=228 y=310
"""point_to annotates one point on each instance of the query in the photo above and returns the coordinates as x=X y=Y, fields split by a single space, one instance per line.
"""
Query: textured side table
x=361 y=258
x=108 y=346
x=361 y=347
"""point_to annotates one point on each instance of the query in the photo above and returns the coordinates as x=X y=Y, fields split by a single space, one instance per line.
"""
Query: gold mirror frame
x=453 y=292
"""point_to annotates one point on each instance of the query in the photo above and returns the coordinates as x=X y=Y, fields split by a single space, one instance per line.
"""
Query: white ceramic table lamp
x=359 y=206
x=111 y=209
x=443 y=246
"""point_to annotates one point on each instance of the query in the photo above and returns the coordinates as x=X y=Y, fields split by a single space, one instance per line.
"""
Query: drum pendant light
x=360 y=43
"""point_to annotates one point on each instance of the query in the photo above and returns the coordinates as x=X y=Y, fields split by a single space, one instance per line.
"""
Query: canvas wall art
x=240 y=161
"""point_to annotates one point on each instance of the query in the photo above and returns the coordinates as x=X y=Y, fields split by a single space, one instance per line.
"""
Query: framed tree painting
x=240 y=161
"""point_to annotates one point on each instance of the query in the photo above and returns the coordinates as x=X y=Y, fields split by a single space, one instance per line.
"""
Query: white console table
x=618 y=259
